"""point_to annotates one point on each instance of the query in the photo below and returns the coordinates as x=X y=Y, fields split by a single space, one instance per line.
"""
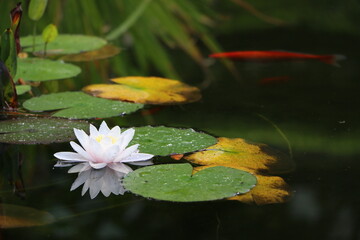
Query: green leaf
x=8 y=96
x=49 y=33
x=8 y=51
x=39 y=130
x=166 y=141
x=21 y=89
x=37 y=69
x=13 y=216
x=175 y=182
x=79 y=105
x=64 y=44
x=36 y=9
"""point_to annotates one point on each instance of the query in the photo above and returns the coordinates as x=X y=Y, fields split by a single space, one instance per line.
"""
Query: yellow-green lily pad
x=146 y=90
x=237 y=152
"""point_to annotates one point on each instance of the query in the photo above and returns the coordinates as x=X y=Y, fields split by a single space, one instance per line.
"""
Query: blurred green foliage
x=167 y=30
x=149 y=44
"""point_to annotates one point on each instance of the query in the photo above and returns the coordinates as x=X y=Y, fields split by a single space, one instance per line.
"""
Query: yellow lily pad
x=237 y=153
x=268 y=190
x=146 y=90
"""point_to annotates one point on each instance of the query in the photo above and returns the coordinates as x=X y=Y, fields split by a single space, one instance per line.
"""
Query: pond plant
x=202 y=167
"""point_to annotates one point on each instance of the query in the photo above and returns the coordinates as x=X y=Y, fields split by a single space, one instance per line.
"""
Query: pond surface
x=314 y=104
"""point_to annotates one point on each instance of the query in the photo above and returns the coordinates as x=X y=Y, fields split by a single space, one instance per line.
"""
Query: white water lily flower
x=100 y=159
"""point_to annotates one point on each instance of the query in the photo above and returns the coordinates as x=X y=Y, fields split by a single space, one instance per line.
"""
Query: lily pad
x=147 y=90
x=13 y=216
x=39 y=69
x=107 y=51
x=78 y=105
x=21 y=89
x=175 y=182
x=39 y=130
x=237 y=152
x=64 y=44
x=165 y=141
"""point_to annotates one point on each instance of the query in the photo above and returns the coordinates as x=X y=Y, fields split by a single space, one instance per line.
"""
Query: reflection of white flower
x=100 y=159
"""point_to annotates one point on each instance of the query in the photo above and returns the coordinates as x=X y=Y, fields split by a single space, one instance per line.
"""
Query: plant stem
x=34 y=34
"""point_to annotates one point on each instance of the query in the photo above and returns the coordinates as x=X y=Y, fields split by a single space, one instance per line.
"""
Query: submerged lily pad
x=38 y=69
x=166 y=141
x=13 y=216
x=64 y=44
x=237 y=152
x=21 y=89
x=107 y=51
x=175 y=182
x=147 y=90
x=78 y=105
x=39 y=130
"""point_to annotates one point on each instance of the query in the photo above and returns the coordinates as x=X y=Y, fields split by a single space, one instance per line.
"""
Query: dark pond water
x=317 y=109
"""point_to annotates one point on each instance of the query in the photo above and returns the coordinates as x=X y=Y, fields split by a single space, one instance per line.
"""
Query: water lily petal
x=137 y=157
x=95 y=188
x=127 y=152
x=82 y=177
x=115 y=132
x=117 y=186
x=126 y=137
x=96 y=182
x=97 y=165
x=96 y=150
x=93 y=131
x=104 y=129
x=80 y=150
x=80 y=168
x=70 y=156
x=119 y=167
x=109 y=179
x=86 y=186
x=111 y=153
x=142 y=163
x=83 y=138
x=63 y=164
x=106 y=142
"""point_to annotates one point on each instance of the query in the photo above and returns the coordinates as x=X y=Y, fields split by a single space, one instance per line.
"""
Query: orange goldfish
x=277 y=56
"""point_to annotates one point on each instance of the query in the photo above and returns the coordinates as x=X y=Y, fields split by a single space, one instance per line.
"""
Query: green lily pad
x=39 y=130
x=175 y=182
x=63 y=44
x=39 y=69
x=165 y=141
x=21 y=89
x=13 y=216
x=78 y=105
